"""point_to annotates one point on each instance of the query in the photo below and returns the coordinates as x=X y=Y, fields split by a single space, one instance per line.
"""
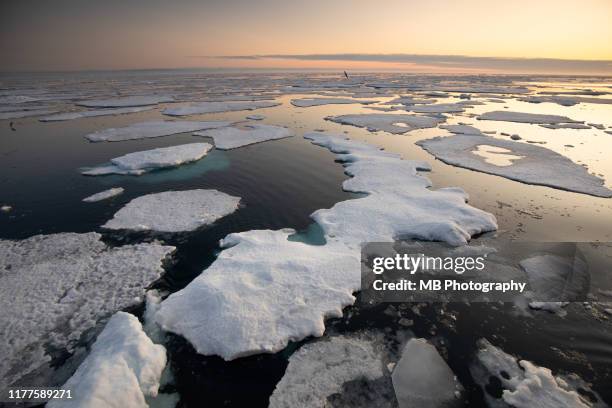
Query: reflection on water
x=495 y=155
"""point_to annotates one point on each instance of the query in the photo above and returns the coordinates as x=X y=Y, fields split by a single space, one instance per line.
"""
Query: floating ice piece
x=538 y=165
x=438 y=108
x=217 y=107
x=462 y=129
x=25 y=113
x=399 y=203
x=144 y=130
x=17 y=99
x=232 y=138
x=565 y=100
x=53 y=288
x=525 y=384
x=555 y=280
x=567 y=126
x=93 y=113
x=123 y=102
x=391 y=123
x=174 y=211
x=409 y=100
x=103 y=195
x=255 y=117
x=138 y=163
x=318 y=370
x=422 y=378
x=507 y=116
x=123 y=367
x=261 y=292
x=307 y=102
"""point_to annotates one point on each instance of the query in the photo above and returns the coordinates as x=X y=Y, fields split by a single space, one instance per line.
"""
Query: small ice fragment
x=232 y=137
x=255 y=117
x=103 y=195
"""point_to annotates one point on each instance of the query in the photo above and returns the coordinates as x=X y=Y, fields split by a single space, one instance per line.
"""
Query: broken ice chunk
x=103 y=195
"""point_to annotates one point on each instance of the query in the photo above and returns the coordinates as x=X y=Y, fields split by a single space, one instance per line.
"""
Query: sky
x=446 y=36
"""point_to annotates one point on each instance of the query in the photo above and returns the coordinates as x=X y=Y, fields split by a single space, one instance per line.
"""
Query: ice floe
x=567 y=126
x=138 y=163
x=421 y=378
x=25 y=113
x=538 y=165
x=400 y=202
x=103 y=195
x=122 y=369
x=387 y=122
x=231 y=137
x=318 y=370
x=409 y=100
x=308 y=102
x=524 y=384
x=217 y=107
x=255 y=117
x=462 y=129
x=126 y=101
x=94 y=113
x=144 y=130
x=173 y=211
x=261 y=292
x=507 y=116
x=438 y=108
x=55 y=287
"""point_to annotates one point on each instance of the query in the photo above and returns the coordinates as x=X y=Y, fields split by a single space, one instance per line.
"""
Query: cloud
x=550 y=65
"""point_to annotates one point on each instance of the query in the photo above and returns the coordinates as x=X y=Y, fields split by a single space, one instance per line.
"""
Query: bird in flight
x=345 y=74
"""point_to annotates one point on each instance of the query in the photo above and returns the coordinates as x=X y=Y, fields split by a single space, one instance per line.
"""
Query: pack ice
x=318 y=370
x=126 y=101
x=231 y=137
x=537 y=118
x=122 y=368
x=538 y=165
x=391 y=123
x=144 y=130
x=55 y=287
x=93 y=113
x=308 y=102
x=138 y=163
x=173 y=211
x=525 y=384
x=264 y=290
x=217 y=107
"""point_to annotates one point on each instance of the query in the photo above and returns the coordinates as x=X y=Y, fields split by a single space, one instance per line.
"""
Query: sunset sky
x=522 y=35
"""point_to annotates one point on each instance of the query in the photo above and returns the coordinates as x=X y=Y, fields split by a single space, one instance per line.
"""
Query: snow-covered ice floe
x=438 y=108
x=533 y=165
x=261 y=292
x=400 y=203
x=308 y=102
x=55 y=287
x=507 y=116
x=173 y=211
x=387 y=122
x=525 y=384
x=318 y=370
x=231 y=137
x=126 y=101
x=123 y=368
x=217 y=107
x=567 y=126
x=462 y=129
x=422 y=378
x=264 y=290
x=144 y=130
x=104 y=195
x=94 y=113
x=138 y=163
